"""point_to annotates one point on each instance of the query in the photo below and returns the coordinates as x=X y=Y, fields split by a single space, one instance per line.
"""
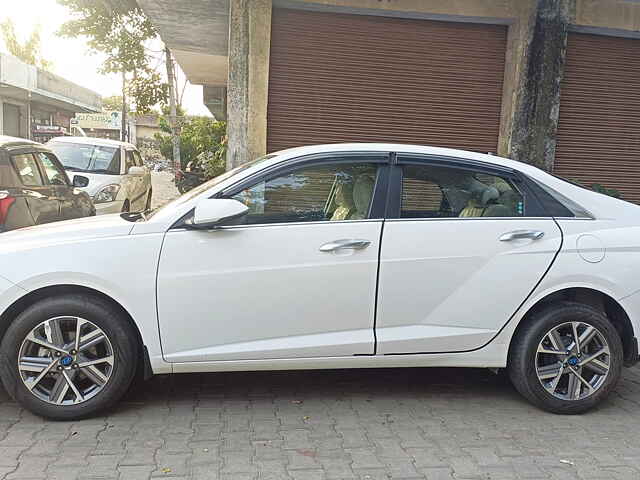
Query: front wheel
x=566 y=359
x=68 y=357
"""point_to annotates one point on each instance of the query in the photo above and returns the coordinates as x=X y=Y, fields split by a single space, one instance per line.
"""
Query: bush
x=203 y=141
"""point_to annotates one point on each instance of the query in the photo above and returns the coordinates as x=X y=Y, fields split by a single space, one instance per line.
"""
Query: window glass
x=27 y=169
x=87 y=158
x=130 y=161
x=332 y=192
x=138 y=159
x=52 y=171
x=440 y=192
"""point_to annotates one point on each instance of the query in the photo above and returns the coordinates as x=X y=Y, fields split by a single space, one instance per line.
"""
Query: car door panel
x=40 y=197
x=463 y=248
x=267 y=292
x=451 y=284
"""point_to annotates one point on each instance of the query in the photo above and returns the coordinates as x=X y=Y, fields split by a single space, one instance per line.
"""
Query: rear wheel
x=566 y=359
x=68 y=357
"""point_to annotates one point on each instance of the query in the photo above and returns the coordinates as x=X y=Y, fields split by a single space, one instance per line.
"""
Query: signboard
x=104 y=120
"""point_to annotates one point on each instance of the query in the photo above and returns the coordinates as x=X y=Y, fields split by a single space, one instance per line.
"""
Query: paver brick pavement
x=380 y=424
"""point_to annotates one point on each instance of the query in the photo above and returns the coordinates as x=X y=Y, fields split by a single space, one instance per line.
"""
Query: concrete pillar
x=1 y=117
x=248 y=84
x=530 y=121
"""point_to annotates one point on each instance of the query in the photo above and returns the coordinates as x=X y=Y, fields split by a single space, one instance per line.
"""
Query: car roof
x=7 y=142
x=398 y=148
x=104 y=142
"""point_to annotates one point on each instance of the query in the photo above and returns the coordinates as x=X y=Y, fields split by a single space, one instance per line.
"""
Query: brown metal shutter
x=355 y=78
x=598 y=138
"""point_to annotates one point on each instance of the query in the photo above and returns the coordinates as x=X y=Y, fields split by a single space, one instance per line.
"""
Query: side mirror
x=137 y=171
x=215 y=212
x=80 y=181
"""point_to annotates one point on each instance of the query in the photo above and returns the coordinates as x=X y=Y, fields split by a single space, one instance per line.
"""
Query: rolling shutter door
x=355 y=78
x=598 y=139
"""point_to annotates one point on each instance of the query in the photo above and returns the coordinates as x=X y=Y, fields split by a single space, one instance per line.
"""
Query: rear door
x=39 y=196
x=462 y=249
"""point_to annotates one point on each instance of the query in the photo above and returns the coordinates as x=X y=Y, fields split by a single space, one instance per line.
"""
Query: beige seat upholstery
x=478 y=203
x=362 y=194
x=344 y=201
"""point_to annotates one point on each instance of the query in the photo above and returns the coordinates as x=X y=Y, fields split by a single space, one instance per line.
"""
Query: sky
x=70 y=57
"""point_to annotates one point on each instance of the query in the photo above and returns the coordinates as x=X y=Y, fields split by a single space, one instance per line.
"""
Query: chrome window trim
x=448 y=219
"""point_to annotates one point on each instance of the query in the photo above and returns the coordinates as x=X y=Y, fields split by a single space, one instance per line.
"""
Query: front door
x=57 y=178
x=296 y=279
x=39 y=195
x=466 y=247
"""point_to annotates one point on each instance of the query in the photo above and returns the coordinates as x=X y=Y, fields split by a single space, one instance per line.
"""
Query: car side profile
x=34 y=188
x=331 y=256
x=118 y=179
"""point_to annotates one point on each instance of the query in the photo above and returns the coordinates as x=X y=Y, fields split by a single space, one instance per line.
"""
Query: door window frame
x=54 y=160
x=378 y=201
x=532 y=206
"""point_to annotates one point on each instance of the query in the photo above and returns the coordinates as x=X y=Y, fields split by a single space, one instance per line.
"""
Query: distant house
x=38 y=105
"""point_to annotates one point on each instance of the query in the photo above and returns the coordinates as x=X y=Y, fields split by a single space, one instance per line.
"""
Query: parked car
x=118 y=179
x=34 y=188
x=336 y=256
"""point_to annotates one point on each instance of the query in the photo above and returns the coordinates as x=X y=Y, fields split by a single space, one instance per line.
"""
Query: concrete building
x=146 y=127
x=555 y=83
x=37 y=104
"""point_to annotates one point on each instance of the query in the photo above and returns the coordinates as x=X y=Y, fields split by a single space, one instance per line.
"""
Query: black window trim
x=533 y=207
x=57 y=163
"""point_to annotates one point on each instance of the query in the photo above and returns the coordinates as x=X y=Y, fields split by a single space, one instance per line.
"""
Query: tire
x=96 y=313
x=560 y=390
x=149 y=199
x=126 y=207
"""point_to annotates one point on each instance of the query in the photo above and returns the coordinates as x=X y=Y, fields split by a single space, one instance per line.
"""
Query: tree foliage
x=202 y=141
x=29 y=50
x=121 y=33
x=114 y=102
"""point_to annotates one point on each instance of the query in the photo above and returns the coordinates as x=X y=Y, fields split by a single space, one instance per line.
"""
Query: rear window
x=87 y=158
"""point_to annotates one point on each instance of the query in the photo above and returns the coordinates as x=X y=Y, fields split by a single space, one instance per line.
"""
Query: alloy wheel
x=573 y=360
x=66 y=360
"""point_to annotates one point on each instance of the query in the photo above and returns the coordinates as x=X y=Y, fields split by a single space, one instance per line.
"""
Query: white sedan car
x=335 y=256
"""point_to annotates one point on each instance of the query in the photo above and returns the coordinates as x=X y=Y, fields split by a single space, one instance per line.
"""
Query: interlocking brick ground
x=351 y=424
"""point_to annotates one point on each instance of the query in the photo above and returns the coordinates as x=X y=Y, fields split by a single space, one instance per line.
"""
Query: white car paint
x=134 y=189
x=259 y=298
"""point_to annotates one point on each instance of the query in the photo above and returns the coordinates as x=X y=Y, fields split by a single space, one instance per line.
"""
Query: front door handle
x=347 y=243
x=521 y=234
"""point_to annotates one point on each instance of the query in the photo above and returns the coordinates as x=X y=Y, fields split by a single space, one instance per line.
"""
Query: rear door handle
x=347 y=243
x=521 y=234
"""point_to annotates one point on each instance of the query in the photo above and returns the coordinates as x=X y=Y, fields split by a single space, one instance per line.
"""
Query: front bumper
x=109 y=207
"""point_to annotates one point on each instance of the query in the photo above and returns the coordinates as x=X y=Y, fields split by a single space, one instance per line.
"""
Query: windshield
x=87 y=158
x=207 y=185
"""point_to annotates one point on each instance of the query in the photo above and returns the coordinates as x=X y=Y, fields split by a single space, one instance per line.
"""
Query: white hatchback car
x=118 y=179
x=335 y=256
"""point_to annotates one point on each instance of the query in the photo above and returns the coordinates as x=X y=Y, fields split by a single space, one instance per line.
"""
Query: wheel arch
x=594 y=298
x=19 y=305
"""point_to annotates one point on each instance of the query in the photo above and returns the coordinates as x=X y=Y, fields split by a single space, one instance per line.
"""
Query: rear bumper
x=109 y=207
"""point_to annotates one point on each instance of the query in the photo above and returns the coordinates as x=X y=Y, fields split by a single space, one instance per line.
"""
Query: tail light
x=5 y=203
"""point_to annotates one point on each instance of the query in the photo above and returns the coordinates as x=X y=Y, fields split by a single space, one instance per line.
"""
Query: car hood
x=84 y=229
x=97 y=181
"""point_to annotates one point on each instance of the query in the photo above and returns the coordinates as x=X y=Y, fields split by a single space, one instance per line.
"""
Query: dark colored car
x=34 y=187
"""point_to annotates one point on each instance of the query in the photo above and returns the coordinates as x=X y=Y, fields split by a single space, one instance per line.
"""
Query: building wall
x=537 y=32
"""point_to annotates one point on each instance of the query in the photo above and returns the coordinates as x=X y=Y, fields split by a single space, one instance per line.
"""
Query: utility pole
x=123 y=127
x=173 y=120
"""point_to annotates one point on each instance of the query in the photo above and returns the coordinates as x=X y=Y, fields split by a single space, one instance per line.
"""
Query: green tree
x=114 y=102
x=202 y=141
x=122 y=34
x=29 y=51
